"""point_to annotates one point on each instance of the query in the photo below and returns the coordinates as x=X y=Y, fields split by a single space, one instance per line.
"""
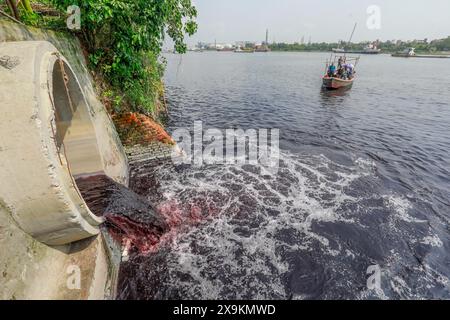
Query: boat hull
x=331 y=83
x=430 y=56
x=357 y=51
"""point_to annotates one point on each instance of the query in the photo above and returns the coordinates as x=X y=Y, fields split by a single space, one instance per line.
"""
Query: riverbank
x=442 y=53
x=30 y=258
x=439 y=46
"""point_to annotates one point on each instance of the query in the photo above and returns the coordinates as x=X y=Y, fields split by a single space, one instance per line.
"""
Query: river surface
x=363 y=181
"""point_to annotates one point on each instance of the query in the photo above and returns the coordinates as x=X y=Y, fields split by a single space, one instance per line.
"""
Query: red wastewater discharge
x=133 y=222
x=141 y=237
x=132 y=234
x=130 y=218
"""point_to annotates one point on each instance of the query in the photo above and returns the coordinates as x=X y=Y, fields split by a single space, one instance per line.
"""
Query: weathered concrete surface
x=30 y=269
x=36 y=157
x=109 y=144
x=153 y=151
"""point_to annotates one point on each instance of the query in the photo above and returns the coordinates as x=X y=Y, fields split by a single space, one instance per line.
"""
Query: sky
x=228 y=21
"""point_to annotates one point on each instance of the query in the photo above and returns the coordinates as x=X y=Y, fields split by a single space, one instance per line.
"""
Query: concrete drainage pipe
x=47 y=139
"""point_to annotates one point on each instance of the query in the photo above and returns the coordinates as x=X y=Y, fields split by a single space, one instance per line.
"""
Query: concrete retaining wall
x=41 y=211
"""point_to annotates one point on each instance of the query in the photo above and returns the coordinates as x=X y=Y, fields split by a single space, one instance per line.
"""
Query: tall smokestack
x=267 y=36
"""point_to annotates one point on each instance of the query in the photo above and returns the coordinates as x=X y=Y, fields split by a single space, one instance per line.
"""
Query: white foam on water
x=239 y=253
x=401 y=206
x=262 y=220
x=433 y=241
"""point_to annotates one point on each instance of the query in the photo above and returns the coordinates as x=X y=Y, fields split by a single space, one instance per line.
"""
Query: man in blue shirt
x=332 y=70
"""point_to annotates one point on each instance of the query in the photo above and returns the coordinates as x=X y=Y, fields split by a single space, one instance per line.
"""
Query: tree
x=124 y=39
x=27 y=6
x=13 y=6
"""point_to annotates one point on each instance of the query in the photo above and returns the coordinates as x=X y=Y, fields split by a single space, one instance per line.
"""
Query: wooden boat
x=370 y=49
x=407 y=53
x=240 y=50
x=332 y=83
x=410 y=53
x=335 y=82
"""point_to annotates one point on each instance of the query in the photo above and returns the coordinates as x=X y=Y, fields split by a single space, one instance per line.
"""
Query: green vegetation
x=386 y=47
x=123 y=40
x=21 y=10
x=303 y=47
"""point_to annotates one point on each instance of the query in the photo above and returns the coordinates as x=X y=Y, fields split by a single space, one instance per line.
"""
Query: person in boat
x=340 y=62
x=341 y=72
x=332 y=70
x=350 y=70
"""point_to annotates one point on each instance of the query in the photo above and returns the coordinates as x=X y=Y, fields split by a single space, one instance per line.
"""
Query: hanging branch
x=10 y=17
x=27 y=5
x=12 y=5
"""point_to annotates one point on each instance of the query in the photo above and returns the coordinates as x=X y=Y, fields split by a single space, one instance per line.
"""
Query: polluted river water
x=362 y=182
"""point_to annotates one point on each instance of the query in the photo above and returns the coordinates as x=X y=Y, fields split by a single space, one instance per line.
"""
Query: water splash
x=308 y=232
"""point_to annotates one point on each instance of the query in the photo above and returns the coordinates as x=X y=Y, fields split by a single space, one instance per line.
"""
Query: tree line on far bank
x=386 y=46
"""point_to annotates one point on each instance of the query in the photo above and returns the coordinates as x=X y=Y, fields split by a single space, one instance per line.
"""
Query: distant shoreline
x=443 y=53
x=382 y=52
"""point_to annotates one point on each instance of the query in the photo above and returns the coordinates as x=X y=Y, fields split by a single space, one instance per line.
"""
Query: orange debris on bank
x=138 y=129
